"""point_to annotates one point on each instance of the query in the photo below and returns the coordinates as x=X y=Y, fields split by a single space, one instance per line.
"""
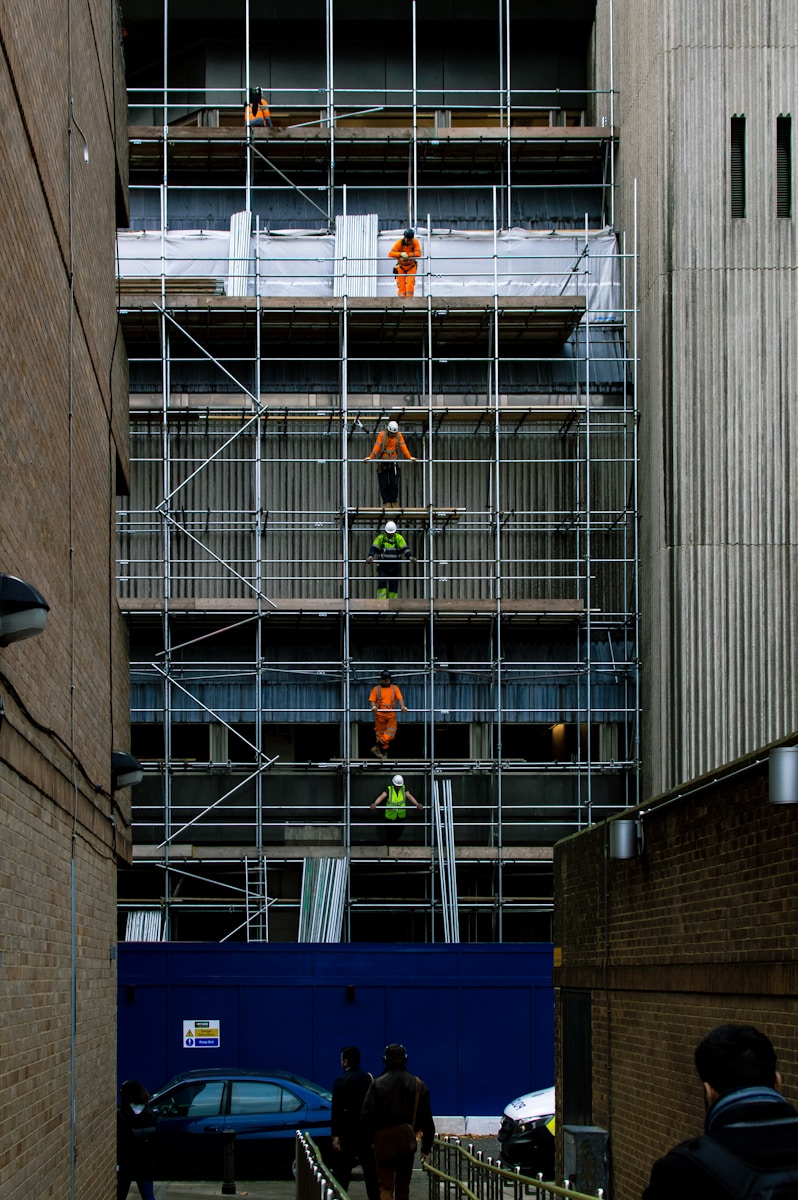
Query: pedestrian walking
x=135 y=1129
x=388 y=446
x=348 y=1143
x=396 y=1115
x=750 y=1142
x=384 y=698
x=389 y=548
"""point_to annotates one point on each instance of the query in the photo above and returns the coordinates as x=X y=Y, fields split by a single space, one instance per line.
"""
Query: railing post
x=229 y=1163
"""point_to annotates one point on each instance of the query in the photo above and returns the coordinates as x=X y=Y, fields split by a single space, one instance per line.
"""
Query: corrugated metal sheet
x=542 y=680
x=355 y=271
x=559 y=370
x=265 y=510
x=241 y=265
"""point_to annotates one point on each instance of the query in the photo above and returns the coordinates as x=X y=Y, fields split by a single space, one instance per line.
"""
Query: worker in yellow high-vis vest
x=396 y=797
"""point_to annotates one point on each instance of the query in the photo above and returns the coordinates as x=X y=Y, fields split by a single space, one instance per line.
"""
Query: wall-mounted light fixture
x=125 y=770
x=23 y=610
x=626 y=838
x=783 y=775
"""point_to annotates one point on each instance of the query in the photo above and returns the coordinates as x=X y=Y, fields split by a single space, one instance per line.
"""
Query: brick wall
x=699 y=930
x=63 y=384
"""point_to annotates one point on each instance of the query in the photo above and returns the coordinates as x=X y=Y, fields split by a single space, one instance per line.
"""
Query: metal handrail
x=314 y=1180
x=485 y=1180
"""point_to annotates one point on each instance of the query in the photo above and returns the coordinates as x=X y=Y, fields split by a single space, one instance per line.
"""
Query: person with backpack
x=749 y=1150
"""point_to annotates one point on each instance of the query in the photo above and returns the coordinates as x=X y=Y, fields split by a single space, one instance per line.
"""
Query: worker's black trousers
x=388 y=480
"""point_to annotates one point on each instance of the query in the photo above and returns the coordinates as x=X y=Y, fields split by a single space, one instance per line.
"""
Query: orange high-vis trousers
x=385 y=728
x=406 y=279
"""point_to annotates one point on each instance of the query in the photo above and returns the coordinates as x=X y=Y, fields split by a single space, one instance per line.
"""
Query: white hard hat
x=398 y=781
x=393 y=427
x=390 y=527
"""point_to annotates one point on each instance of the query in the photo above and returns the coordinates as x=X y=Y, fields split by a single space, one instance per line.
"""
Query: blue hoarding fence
x=477 y=1020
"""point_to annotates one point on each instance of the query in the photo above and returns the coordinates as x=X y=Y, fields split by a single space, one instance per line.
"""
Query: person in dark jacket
x=749 y=1126
x=348 y=1143
x=396 y=1098
x=135 y=1128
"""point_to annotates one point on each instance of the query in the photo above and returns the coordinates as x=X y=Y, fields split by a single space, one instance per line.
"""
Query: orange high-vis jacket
x=386 y=698
x=413 y=250
x=262 y=112
x=388 y=445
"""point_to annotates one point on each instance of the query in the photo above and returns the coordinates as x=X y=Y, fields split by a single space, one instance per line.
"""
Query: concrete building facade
x=695 y=929
x=65 y=692
x=706 y=98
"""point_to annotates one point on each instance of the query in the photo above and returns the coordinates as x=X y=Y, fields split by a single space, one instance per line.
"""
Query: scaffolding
x=267 y=349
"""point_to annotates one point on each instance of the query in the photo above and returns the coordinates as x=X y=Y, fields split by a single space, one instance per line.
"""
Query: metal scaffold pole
x=254 y=615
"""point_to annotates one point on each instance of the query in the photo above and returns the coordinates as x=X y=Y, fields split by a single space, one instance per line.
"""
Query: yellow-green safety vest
x=395 y=805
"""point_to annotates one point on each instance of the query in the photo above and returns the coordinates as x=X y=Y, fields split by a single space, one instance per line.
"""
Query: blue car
x=193 y=1112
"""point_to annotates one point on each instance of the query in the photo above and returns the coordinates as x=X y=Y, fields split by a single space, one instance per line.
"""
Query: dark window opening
x=784 y=166
x=577 y=1058
x=738 y=166
x=552 y=742
x=147 y=742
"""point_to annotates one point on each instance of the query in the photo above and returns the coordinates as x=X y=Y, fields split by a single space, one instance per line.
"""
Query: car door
x=264 y=1116
x=190 y=1126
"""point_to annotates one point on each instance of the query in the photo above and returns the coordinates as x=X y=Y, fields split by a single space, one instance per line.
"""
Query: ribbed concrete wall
x=718 y=373
x=269 y=506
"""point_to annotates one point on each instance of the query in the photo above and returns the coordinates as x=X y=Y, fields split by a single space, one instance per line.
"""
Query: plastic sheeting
x=516 y=262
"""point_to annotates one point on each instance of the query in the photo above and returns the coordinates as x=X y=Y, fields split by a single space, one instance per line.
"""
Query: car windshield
x=311 y=1086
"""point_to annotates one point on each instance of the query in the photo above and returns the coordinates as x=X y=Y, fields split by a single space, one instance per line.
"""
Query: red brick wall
x=699 y=930
x=63 y=384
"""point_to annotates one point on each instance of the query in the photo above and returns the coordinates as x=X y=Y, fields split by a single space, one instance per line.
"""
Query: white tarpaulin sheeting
x=147 y=255
x=519 y=263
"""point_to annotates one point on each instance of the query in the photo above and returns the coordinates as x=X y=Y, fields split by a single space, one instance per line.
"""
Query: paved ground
x=278 y=1189
x=283 y=1189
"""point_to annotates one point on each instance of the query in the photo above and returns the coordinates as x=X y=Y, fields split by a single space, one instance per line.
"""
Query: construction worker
x=387 y=447
x=388 y=548
x=256 y=113
x=407 y=252
x=384 y=699
x=396 y=796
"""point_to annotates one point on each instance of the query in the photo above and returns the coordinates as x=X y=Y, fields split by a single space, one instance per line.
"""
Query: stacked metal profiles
x=240 y=229
x=443 y=812
x=355 y=256
x=321 y=910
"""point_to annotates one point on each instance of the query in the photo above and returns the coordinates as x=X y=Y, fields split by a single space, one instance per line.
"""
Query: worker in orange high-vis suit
x=256 y=113
x=387 y=448
x=384 y=699
x=407 y=252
